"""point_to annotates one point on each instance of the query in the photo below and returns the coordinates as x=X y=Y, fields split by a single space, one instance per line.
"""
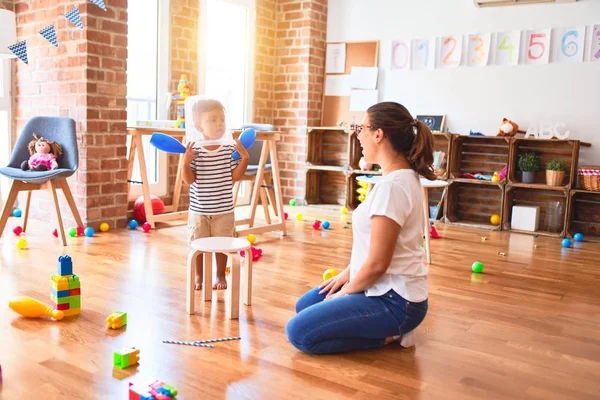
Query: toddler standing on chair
x=211 y=172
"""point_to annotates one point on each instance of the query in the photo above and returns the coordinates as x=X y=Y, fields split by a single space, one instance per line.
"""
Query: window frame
x=160 y=188
x=6 y=105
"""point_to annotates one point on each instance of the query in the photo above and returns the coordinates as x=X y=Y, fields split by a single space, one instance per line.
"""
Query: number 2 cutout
x=532 y=43
x=505 y=46
x=447 y=60
x=479 y=49
x=425 y=46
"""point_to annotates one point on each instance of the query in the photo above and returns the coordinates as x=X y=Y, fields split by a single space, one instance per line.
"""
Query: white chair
x=207 y=247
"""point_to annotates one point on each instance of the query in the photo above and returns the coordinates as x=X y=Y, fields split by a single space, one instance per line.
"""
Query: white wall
x=478 y=98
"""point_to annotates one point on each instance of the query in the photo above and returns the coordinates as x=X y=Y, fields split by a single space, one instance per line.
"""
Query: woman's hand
x=333 y=284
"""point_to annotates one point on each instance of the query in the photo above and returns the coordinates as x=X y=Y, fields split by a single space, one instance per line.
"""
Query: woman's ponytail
x=420 y=154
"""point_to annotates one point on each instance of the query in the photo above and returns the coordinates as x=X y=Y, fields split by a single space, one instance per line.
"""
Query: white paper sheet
x=335 y=62
x=361 y=100
x=507 y=47
x=401 y=54
x=537 y=46
x=450 y=51
x=364 y=77
x=337 y=85
x=568 y=44
x=423 y=53
x=595 y=48
x=479 y=49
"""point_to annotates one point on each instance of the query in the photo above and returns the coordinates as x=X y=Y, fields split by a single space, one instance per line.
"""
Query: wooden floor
x=528 y=327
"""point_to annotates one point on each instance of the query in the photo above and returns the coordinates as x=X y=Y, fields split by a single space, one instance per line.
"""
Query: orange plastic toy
x=28 y=307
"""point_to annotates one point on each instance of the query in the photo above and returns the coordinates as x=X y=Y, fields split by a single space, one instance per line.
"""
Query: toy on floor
x=116 y=320
x=326 y=225
x=184 y=92
x=104 y=227
x=43 y=155
x=344 y=210
x=151 y=390
x=89 y=231
x=329 y=273
x=433 y=232
x=16 y=213
x=146 y=227
x=495 y=219
x=80 y=231
x=139 y=210
x=299 y=216
x=205 y=342
x=65 y=288
x=55 y=233
x=73 y=232
x=293 y=202
x=285 y=216
x=18 y=230
x=126 y=357
x=477 y=267
x=316 y=225
x=578 y=237
x=32 y=308
x=251 y=238
x=566 y=242
x=22 y=244
x=256 y=253
x=133 y=224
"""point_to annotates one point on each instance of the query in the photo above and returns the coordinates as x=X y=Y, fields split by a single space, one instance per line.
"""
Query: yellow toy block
x=60 y=282
x=70 y=313
x=116 y=320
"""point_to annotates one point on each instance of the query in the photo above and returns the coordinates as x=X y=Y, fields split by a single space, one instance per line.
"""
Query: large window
x=227 y=51
x=5 y=123
x=147 y=82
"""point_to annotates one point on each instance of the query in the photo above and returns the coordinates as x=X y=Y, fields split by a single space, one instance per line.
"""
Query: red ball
x=285 y=215
x=18 y=230
x=55 y=233
x=146 y=227
x=316 y=225
x=139 y=212
x=80 y=231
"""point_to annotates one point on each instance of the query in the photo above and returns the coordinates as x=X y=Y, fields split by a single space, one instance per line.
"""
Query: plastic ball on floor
x=73 y=232
x=21 y=244
x=146 y=227
x=326 y=225
x=285 y=216
x=89 y=231
x=329 y=273
x=133 y=224
x=344 y=210
x=477 y=267
x=55 y=233
x=566 y=242
x=251 y=238
x=104 y=227
x=80 y=231
x=299 y=216
x=495 y=219
x=316 y=225
x=293 y=202
x=18 y=230
x=16 y=213
x=578 y=237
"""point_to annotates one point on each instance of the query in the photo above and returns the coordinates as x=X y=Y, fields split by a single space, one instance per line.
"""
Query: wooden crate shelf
x=329 y=146
x=566 y=151
x=443 y=142
x=526 y=196
x=478 y=154
x=584 y=214
x=326 y=187
x=472 y=204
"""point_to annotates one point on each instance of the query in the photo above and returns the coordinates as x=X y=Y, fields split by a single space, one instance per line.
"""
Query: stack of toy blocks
x=65 y=289
x=151 y=390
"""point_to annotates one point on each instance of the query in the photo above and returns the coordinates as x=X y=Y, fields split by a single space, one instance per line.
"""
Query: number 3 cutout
x=479 y=49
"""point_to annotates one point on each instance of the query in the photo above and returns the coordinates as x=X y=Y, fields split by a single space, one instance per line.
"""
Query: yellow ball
x=495 y=219
x=299 y=216
x=251 y=238
x=344 y=210
x=104 y=227
x=21 y=243
x=330 y=273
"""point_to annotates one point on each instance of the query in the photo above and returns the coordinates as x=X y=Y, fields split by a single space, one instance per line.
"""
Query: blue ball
x=89 y=231
x=325 y=224
x=578 y=237
x=566 y=242
x=16 y=213
x=133 y=224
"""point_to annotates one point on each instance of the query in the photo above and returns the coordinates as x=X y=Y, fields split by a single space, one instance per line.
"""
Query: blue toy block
x=65 y=265
x=164 y=391
x=60 y=293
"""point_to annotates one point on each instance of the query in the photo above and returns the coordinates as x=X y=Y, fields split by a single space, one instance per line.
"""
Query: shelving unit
x=472 y=202
x=584 y=214
x=443 y=142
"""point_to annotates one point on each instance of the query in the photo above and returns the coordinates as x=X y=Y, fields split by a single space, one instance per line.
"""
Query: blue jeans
x=352 y=322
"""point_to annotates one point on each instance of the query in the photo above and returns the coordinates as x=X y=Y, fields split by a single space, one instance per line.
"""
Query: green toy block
x=126 y=357
x=74 y=302
x=60 y=300
x=74 y=282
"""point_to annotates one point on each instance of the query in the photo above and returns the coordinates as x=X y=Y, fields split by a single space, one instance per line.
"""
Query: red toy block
x=63 y=307
x=75 y=292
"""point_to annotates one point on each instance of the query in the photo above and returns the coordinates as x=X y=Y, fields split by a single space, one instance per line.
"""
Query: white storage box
x=525 y=218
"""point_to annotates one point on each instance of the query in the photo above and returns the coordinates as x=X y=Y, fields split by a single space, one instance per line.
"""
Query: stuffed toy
x=364 y=165
x=508 y=128
x=44 y=155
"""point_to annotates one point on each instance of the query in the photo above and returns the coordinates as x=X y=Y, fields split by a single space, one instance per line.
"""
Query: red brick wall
x=265 y=61
x=84 y=79
x=7 y=4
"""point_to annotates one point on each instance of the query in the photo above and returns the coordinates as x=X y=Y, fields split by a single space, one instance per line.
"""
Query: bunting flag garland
x=50 y=34
x=99 y=3
x=20 y=50
x=75 y=17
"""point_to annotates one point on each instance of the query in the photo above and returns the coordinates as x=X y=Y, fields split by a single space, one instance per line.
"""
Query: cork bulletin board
x=337 y=108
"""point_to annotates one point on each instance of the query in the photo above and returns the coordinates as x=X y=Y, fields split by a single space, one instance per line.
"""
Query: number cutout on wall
x=508 y=46
x=401 y=54
x=595 y=54
x=450 y=51
x=537 y=46
x=568 y=44
x=423 y=53
x=479 y=50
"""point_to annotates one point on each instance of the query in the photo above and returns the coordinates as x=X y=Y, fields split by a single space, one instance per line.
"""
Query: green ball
x=293 y=202
x=73 y=232
x=477 y=267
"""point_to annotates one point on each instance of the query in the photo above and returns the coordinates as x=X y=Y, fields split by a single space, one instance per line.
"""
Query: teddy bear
x=508 y=128
x=43 y=155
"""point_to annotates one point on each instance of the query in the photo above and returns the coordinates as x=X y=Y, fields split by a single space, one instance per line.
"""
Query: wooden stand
x=172 y=212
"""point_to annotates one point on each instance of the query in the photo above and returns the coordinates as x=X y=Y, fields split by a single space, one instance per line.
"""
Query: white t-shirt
x=398 y=196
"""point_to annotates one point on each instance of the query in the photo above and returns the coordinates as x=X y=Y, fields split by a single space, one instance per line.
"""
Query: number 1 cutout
x=425 y=46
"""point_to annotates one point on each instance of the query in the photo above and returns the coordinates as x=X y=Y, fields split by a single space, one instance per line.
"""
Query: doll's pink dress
x=42 y=159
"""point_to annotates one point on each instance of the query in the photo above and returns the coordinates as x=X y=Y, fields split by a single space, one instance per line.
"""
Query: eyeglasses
x=359 y=128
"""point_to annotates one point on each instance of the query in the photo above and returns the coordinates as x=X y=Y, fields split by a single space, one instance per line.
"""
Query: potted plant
x=529 y=164
x=555 y=173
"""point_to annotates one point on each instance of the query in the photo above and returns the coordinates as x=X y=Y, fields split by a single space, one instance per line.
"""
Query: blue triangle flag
x=50 y=34
x=75 y=17
x=20 y=50
x=99 y=3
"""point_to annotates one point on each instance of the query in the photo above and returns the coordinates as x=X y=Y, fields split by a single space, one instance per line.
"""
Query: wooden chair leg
x=26 y=214
x=10 y=202
x=207 y=277
x=191 y=280
x=64 y=185
x=265 y=203
x=53 y=186
x=248 y=278
x=236 y=190
x=271 y=194
x=233 y=286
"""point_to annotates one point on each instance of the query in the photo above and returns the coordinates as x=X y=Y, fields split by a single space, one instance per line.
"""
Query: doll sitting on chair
x=44 y=154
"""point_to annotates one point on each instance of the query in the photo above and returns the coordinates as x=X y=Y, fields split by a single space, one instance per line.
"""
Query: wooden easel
x=172 y=212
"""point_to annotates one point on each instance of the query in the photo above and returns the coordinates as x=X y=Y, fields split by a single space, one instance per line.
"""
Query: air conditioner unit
x=499 y=3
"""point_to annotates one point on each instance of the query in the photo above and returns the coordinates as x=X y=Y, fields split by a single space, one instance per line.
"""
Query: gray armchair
x=61 y=130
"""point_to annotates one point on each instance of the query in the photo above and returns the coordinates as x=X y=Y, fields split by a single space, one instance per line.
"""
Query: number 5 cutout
x=538 y=47
x=450 y=51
